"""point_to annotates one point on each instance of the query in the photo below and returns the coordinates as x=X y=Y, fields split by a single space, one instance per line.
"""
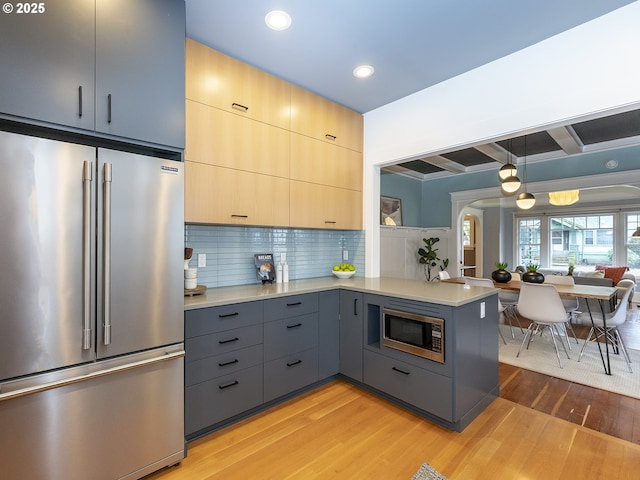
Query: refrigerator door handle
x=86 y=255
x=106 y=253
x=42 y=387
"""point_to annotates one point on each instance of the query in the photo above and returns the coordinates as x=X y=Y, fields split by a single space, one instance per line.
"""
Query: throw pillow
x=596 y=274
x=615 y=273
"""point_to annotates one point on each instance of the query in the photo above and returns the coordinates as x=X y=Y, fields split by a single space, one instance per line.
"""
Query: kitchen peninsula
x=252 y=346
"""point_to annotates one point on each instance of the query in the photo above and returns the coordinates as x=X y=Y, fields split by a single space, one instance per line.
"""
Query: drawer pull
x=231 y=340
x=239 y=216
x=227 y=315
x=332 y=222
x=404 y=372
x=294 y=304
x=295 y=325
x=328 y=136
x=239 y=106
x=296 y=362
x=226 y=364
x=228 y=385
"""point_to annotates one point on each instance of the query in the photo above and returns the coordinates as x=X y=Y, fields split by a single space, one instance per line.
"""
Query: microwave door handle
x=106 y=253
x=86 y=255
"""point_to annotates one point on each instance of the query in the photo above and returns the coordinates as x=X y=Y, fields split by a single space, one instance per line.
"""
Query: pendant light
x=508 y=175
x=525 y=200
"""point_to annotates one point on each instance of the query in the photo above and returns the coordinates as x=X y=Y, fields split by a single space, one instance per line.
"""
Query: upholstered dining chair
x=614 y=319
x=541 y=304
x=570 y=304
x=485 y=282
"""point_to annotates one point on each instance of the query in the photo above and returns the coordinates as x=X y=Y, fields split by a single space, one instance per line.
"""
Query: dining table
x=595 y=292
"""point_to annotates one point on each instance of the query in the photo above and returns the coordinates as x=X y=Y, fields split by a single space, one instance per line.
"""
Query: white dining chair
x=443 y=275
x=570 y=304
x=541 y=304
x=485 y=282
x=614 y=320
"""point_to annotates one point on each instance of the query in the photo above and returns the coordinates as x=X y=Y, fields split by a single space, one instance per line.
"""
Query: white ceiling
x=412 y=44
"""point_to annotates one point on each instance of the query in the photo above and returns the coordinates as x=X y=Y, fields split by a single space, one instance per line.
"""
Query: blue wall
x=435 y=202
x=409 y=190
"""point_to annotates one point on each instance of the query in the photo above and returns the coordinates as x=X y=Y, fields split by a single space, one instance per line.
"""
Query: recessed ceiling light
x=278 y=20
x=363 y=71
x=611 y=164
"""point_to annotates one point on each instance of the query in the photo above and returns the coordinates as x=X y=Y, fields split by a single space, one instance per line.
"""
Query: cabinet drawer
x=222 y=342
x=211 y=402
x=290 y=373
x=218 y=319
x=277 y=308
x=223 y=364
x=290 y=335
x=426 y=390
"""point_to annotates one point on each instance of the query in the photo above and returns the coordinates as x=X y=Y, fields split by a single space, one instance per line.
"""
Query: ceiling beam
x=495 y=151
x=567 y=138
x=445 y=163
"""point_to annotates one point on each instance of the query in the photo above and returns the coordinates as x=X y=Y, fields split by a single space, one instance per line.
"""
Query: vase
x=501 y=276
x=533 y=277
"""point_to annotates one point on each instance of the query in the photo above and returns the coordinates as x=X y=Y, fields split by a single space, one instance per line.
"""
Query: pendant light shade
x=636 y=233
x=506 y=171
x=565 y=197
x=510 y=185
x=525 y=201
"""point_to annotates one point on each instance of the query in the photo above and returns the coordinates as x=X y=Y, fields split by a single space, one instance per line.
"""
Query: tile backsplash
x=230 y=249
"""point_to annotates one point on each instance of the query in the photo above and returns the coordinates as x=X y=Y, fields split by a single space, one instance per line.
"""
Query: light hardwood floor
x=339 y=431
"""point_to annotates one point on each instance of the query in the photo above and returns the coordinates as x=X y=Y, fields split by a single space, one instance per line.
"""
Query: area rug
x=427 y=472
x=541 y=357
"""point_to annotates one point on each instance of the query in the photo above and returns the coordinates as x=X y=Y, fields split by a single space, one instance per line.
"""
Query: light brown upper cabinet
x=319 y=118
x=323 y=206
x=217 y=137
x=221 y=81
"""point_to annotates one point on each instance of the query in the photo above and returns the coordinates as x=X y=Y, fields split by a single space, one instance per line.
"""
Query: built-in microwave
x=416 y=334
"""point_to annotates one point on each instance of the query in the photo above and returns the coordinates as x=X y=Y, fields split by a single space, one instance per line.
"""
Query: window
x=632 y=243
x=529 y=241
x=586 y=240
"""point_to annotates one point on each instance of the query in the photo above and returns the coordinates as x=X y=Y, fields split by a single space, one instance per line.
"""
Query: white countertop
x=435 y=292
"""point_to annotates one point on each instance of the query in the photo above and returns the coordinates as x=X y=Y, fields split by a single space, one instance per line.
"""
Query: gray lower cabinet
x=421 y=388
x=328 y=334
x=290 y=373
x=114 y=67
x=351 y=334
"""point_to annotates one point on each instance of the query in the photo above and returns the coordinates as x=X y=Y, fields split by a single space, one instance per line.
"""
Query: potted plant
x=501 y=275
x=532 y=275
x=429 y=257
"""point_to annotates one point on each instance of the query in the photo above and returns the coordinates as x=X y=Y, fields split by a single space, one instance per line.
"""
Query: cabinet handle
x=231 y=340
x=355 y=307
x=294 y=326
x=227 y=315
x=400 y=371
x=328 y=136
x=330 y=221
x=295 y=304
x=239 y=216
x=295 y=362
x=226 y=364
x=109 y=108
x=231 y=384
x=238 y=106
x=80 y=101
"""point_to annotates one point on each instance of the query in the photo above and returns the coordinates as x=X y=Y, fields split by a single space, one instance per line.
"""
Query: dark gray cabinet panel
x=213 y=401
x=289 y=335
x=423 y=389
x=48 y=64
x=329 y=334
x=114 y=67
x=292 y=306
x=140 y=68
x=222 y=342
x=219 y=319
x=290 y=373
x=351 y=334
x=223 y=364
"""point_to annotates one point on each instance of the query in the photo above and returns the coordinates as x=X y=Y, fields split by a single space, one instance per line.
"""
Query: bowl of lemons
x=344 y=270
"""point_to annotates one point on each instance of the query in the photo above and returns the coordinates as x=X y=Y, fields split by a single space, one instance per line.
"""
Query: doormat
x=427 y=472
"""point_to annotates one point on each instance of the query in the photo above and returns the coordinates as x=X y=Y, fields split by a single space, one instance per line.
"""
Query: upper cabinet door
x=47 y=60
x=221 y=81
x=140 y=70
x=319 y=118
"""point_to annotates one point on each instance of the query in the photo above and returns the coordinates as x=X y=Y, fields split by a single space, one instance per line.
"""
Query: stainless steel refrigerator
x=91 y=311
